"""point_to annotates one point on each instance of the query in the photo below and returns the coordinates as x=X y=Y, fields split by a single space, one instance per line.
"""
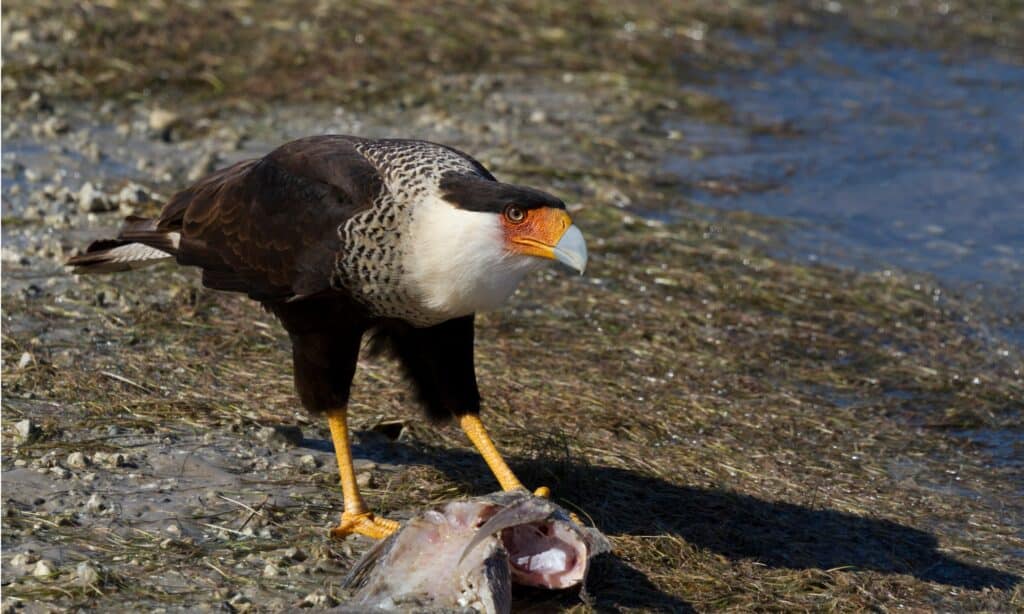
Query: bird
x=347 y=240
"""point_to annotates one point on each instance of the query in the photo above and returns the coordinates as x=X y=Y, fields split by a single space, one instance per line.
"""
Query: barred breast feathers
x=371 y=264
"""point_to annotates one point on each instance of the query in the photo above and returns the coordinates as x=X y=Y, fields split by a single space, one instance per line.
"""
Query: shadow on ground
x=776 y=534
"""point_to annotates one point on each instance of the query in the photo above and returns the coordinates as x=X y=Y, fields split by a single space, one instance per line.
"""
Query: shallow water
x=882 y=157
x=886 y=157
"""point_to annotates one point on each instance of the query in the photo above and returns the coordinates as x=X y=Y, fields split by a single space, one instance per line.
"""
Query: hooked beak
x=549 y=233
x=571 y=249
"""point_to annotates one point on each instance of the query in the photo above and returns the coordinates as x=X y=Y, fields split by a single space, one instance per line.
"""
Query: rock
x=364 y=480
x=309 y=462
x=133 y=194
x=25 y=360
x=93 y=152
x=20 y=38
x=161 y=120
x=26 y=430
x=10 y=606
x=91 y=200
x=43 y=569
x=23 y=559
x=295 y=554
x=114 y=459
x=60 y=473
x=281 y=435
x=203 y=166
x=51 y=127
x=47 y=460
x=318 y=599
x=271 y=571
x=96 y=503
x=240 y=603
x=87 y=574
x=77 y=460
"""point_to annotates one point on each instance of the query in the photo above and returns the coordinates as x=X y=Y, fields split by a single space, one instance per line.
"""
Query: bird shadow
x=738 y=526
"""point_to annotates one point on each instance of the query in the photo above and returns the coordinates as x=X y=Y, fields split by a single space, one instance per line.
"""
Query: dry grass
x=700 y=421
x=355 y=53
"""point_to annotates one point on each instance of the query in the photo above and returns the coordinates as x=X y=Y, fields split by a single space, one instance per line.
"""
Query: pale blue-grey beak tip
x=571 y=249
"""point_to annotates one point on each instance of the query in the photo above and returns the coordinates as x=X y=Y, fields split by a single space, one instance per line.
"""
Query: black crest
x=479 y=194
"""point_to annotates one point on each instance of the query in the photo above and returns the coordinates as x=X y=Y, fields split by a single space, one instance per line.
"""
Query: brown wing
x=269 y=227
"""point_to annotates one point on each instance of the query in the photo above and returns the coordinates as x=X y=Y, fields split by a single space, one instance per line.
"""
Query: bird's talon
x=364 y=523
x=545 y=493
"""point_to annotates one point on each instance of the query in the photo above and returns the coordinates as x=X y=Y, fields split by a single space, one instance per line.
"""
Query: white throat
x=458 y=263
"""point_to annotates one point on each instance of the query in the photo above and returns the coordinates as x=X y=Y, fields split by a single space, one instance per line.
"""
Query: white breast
x=457 y=262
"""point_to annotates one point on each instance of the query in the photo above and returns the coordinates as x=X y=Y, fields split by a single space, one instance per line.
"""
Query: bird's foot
x=545 y=493
x=364 y=523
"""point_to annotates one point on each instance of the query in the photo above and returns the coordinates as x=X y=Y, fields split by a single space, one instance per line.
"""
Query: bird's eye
x=514 y=214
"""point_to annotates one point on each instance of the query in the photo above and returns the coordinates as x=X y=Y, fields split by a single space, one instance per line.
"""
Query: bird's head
x=476 y=240
x=533 y=223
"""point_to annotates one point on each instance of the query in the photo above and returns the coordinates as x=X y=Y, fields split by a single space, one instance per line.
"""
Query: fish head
x=467 y=554
x=545 y=547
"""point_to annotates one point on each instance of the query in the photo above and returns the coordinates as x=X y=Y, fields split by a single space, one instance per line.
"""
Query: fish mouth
x=547 y=554
x=544 y=548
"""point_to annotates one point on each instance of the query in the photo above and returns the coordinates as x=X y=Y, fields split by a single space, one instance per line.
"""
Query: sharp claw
x=545 y=492
x=364 y=523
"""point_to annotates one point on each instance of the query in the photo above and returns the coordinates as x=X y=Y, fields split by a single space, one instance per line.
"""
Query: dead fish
x=465 y=556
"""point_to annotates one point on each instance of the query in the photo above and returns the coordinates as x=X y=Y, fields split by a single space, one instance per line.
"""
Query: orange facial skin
x=538 y=232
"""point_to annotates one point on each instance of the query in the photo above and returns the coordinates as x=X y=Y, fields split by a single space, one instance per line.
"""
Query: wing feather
x=268 y=226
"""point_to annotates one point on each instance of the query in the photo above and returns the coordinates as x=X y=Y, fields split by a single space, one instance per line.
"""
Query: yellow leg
x=356 y=518
x=474 y=428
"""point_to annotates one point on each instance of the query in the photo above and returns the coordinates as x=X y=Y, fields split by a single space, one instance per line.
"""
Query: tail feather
x=139 y=244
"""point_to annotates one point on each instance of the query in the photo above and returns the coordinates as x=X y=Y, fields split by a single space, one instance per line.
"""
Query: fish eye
x=514 y=214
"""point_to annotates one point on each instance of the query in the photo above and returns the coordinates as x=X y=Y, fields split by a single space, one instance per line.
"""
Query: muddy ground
x=752 y=433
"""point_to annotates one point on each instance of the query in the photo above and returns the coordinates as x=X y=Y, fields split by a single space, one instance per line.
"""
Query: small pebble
x=23 y=559
x=87 y=574
x=92 y=200
x=96 y=503
x=78 y=460
x=318 y=599
x=162 y=119
x=280 y=434
x=43 y=569
x=240 y=603
x=26 y=430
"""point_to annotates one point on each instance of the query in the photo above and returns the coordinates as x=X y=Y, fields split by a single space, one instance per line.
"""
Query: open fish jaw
x=547 y=554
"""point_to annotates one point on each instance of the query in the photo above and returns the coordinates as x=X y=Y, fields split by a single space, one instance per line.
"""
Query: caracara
x=341 y=237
